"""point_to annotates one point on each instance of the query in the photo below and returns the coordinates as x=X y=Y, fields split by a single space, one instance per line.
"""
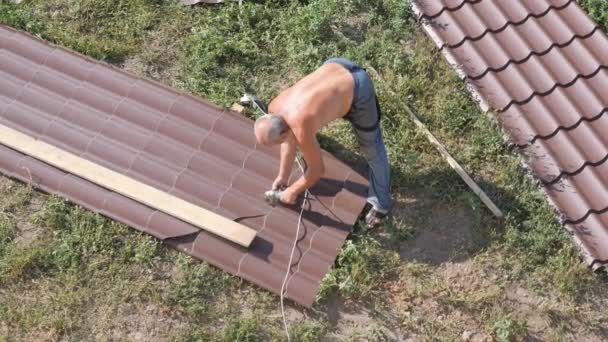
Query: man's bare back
x=319 y=98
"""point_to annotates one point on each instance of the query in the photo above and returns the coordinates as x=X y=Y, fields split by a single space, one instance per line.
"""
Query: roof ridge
x=534 y=53
x=447 y=8
x=507 y=24
x=564 y=174
x=555 y=86
x=561 y=128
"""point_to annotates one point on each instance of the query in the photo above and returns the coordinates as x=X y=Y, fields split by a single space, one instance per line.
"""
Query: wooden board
x=127 y=186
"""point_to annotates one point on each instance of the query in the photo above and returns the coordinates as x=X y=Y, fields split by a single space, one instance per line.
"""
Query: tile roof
x=177 y=143
x=542 y=66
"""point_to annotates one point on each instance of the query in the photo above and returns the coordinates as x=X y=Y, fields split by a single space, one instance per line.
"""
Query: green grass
x=507 y=329
x=597 y=10
x=199 y=287
x=106 y=30
x=82 y=276
x=362 y=268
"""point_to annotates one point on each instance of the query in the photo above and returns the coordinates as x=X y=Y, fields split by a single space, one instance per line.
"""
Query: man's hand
x=280 y=183
x=289 y=197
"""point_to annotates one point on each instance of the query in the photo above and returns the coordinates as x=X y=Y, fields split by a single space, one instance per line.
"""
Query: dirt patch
x=287 y=79
x=465 y=300
x=447 y=234
x=3 y=331
x=350 y=322
x=5 y=181
x=139 y=322
x=545 y=314
x=27 y=231
x=338 y=314
x=353 y=27
x=18 y=204
x=161 y=72
x=160 y=57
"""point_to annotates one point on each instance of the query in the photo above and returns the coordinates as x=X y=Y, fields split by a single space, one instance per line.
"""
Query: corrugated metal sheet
x=177 y=143
x=542 y=66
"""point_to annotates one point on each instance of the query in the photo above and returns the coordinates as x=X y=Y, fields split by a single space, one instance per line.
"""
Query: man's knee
x=372 y=146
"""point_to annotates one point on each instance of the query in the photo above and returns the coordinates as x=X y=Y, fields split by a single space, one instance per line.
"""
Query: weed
x=309 y=331
x=227 y=51
x=570 y=276
x=80 y=237
x=377 y=333
x=17 y=262
x=242 y=330
x=197 y=335
x=21 y=18
x=362 y=268
x=508 y=329
x=7 y=231
x=19 y=197
x=199 y=287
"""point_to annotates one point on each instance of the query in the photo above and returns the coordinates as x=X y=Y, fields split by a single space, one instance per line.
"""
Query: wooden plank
x=454 y=164
x=128 y=187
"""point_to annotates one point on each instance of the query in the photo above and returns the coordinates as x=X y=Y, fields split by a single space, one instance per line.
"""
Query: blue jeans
x=364 y=116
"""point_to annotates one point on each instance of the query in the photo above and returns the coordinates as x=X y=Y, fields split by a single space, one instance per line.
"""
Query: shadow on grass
x=435 y=218
x=439 y=219
x=565 y=324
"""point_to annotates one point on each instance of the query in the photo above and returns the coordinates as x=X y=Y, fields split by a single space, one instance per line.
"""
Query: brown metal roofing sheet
x=594 y=245
x=179 y=144
x=568 y=152
x=564 y=109
x=542 y=65
x=581 y=195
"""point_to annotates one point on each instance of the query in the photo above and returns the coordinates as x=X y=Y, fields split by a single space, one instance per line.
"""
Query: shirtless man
x=338 y=89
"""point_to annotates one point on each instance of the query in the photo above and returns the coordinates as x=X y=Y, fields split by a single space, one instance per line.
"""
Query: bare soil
x=447 y=235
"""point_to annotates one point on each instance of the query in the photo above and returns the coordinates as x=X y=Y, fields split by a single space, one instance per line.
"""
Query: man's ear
x=286 y=135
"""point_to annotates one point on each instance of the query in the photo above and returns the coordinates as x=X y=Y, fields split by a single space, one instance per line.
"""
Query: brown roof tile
x=591 y=235
x=542 y=65
x=177 y=143
x=564 y=109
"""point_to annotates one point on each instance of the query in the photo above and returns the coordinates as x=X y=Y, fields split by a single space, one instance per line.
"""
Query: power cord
x=248 y=98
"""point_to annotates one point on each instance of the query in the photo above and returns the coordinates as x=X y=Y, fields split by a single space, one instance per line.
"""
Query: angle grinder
x=273 y=197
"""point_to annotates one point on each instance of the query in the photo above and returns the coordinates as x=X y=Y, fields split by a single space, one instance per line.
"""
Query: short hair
x=275 y=126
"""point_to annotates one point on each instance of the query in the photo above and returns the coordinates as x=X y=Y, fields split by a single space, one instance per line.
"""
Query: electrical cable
x=254 y=100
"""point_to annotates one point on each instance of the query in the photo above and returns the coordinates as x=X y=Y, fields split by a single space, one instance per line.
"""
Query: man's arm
x=288 y=155
x=312 y=154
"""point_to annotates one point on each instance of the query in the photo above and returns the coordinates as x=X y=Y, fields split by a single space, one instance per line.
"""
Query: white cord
x=250 y=98
x=293 y=249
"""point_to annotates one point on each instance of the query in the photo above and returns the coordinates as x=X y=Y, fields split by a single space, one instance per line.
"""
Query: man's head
x=271 y=129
